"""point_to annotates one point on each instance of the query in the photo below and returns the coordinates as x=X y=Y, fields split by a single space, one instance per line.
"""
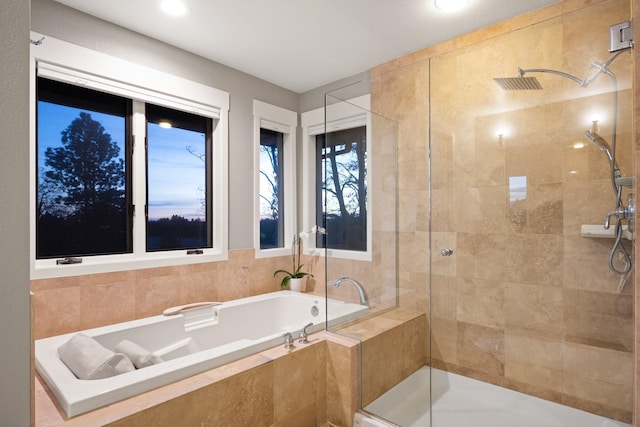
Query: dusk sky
x=176 y=177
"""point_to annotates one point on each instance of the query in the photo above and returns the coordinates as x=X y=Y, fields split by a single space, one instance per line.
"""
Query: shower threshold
x=460 y=401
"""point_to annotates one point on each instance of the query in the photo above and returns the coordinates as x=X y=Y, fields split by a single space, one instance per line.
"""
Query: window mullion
x=139 y=178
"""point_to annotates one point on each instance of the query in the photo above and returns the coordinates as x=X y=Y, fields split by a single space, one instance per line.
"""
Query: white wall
x=14 y=222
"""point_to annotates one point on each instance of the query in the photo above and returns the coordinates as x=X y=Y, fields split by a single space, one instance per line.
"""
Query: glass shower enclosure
x=356 y=168
x=508 y=203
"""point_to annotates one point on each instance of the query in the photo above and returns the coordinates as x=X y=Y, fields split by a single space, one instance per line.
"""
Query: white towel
x=89 y=360
x=140 y=356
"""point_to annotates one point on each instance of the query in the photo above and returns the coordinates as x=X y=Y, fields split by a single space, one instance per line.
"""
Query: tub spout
x=364 y=299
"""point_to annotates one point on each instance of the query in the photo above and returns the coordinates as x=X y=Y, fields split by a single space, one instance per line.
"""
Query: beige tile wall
x=394 y=345
x=69 y=304
x=524 y=301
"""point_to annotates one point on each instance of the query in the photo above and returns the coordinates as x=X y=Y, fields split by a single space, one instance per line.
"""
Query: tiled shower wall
x=524 y=301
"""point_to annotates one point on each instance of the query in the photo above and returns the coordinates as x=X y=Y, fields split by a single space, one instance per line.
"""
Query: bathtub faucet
x=288 y=340
x=364 y=299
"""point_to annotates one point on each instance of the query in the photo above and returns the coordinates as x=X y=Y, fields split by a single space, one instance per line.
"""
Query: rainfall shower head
x=519 y=83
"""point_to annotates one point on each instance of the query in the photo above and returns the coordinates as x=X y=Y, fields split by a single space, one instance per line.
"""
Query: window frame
x=278 y=119
x=349 y=114
x=208 y=205
x=62 y=61
x=49 y=91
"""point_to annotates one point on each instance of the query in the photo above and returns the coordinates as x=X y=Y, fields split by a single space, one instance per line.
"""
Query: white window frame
x=278 y=119
x=340 y=116
x=62 y=61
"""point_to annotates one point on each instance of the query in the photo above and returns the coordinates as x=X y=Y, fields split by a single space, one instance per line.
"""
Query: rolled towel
x=140 y=356
x=89 y=360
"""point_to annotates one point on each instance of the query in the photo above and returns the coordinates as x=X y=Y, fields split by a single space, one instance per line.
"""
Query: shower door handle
x=446 y=252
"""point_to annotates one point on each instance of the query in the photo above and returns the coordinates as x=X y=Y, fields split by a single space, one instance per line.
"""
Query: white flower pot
x=296 y=284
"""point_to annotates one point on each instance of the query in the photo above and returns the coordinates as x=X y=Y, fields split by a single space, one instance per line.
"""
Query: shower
x=620 y=211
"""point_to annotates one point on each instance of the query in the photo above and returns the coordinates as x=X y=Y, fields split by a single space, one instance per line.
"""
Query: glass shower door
x=522 y=294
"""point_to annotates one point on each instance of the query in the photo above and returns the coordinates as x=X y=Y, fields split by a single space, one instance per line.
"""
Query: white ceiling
x=304 y=44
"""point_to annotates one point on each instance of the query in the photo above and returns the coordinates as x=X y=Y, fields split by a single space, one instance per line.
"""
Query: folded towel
x=89 y=360
x=140 y=356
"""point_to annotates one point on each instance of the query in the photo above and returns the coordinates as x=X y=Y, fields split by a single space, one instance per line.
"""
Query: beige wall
x=525 y=301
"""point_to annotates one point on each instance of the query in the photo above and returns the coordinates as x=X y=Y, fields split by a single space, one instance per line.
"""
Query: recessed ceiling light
x=165 y=124
x=451 y=5
x=174 y=7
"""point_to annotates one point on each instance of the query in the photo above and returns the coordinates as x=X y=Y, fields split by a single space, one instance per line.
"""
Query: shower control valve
x=623 y=213
x=620 y=213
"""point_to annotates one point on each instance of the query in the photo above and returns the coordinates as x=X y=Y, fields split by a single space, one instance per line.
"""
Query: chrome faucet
x=364 y=299
x=303 y=337
x=288 y=341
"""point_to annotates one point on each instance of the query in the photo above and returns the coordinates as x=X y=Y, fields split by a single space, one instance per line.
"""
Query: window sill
x=45 y=269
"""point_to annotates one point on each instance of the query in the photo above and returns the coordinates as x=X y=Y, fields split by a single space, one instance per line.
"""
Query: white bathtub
x=189 y=343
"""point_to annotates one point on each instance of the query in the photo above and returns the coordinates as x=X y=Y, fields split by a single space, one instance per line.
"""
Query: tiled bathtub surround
x=524 y=301
x=394 y=346
x=311 y=385
x=307 y=386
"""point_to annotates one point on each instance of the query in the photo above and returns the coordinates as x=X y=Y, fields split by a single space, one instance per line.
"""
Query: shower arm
x=600 y=69
x=546 y=70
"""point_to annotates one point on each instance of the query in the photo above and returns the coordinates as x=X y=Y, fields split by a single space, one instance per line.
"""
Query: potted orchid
x=294 y=277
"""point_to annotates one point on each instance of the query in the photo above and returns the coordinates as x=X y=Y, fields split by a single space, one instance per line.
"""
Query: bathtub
x=189 y=343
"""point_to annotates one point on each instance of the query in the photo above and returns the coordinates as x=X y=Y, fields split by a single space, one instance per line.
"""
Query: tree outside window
x=342 y=179
x=82 y=190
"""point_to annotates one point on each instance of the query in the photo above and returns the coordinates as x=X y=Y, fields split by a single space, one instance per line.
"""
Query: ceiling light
x=165 y=124
x=174 y=7
x=451 y=5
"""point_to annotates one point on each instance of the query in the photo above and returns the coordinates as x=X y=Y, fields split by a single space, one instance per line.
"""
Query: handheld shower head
x=600 y=142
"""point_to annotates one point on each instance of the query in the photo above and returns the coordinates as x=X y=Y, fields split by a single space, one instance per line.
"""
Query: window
x=271 y=190
x=126 y=172
x=178 y=179
x=336 y=176
x=275 y=201
x=83 y=193
x=341 y=189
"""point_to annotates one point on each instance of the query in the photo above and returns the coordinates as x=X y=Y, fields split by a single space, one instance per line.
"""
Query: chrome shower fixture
x=531 y=83
x=518 y=83
x=602 y=144
x=620 y=212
